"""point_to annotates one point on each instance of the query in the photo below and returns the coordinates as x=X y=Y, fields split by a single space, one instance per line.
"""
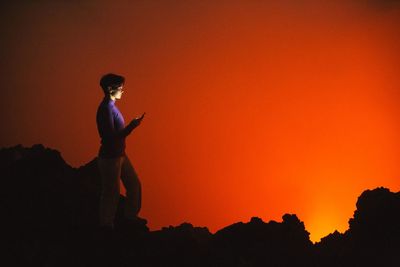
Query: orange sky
x=253 y=108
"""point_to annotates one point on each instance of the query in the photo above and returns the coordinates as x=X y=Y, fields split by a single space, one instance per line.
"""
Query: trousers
x=111 y=171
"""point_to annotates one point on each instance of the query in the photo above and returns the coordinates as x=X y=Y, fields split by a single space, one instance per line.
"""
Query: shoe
x=138 y=220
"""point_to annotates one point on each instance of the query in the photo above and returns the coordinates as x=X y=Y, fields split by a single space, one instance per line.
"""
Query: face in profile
x=117 y=94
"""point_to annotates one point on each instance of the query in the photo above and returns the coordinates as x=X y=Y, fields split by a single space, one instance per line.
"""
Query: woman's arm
x=109 y=131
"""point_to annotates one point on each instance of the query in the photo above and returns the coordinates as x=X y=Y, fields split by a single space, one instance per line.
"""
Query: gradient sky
x=253 y=108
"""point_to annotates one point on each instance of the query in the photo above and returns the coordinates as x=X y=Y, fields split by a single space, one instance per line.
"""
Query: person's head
x=112 y=85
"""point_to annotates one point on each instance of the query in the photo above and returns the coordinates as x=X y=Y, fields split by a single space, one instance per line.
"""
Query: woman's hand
x=138 y=120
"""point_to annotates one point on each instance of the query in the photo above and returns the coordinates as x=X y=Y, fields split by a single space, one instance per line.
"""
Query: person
x=113 y=163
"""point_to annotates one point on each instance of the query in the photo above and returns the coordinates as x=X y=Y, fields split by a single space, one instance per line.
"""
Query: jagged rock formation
x=373 y=238
x=50 y=219
x=264 y=244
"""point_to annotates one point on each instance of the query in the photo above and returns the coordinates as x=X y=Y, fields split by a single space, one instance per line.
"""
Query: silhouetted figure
x=113 y=163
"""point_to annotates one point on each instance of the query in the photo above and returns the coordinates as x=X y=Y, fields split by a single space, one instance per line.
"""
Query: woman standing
x=113 y=163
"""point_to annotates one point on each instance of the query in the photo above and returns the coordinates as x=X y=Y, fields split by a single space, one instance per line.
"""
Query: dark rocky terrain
x=49 y=213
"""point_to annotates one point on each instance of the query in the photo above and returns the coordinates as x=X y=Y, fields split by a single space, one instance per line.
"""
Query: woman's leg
x=110 y=171
x=133 y=188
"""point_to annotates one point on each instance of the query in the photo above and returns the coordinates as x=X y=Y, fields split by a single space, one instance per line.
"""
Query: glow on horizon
x=254 y=108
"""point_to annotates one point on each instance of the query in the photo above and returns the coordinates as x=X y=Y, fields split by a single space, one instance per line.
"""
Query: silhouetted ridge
x=373 y=238
x=257 y=243
x=377 y=215
x=51 y=219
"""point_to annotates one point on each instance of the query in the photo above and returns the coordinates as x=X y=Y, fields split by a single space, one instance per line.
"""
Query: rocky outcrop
x=50 y=219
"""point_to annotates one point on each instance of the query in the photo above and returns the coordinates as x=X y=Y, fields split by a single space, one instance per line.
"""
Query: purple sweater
x=112 y=130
